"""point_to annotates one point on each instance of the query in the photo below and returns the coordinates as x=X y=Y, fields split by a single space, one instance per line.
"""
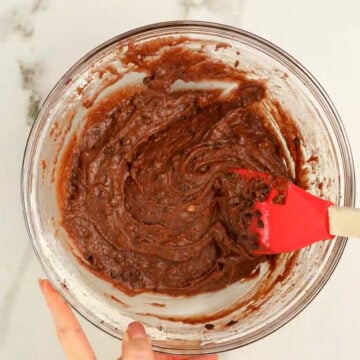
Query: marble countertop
x=40 y=39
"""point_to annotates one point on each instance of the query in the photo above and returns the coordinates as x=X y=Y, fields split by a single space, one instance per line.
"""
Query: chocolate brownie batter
x=146 y=192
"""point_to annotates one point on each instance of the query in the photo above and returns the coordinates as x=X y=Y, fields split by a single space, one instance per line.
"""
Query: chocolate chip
x=279 y=199
x=257 y=213
x=128 y=165
x=89 y=257
x=64 y=285
x=146 y=80
x=231 y=323
x=296 y=141
x=248 y=215
x=145 y=119
x=254 y=241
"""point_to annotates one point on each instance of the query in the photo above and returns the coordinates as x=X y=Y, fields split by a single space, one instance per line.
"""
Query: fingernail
x=136 y=331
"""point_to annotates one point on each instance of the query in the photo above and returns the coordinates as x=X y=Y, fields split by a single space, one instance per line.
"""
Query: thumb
x=136 y=345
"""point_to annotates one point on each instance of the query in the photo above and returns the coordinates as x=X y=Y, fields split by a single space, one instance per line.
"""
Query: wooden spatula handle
x=344 y=221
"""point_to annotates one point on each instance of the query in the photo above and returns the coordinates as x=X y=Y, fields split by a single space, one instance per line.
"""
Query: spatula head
x=289 y=218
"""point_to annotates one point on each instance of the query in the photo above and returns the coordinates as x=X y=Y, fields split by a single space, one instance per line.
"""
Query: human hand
x=136 y=344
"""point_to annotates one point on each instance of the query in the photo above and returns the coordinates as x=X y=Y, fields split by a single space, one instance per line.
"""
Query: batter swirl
x=146 y=193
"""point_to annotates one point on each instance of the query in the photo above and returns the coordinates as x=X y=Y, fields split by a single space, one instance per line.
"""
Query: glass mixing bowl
x=236 y=318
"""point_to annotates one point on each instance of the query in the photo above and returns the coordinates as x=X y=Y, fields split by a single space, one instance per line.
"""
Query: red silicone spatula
x=298 y=219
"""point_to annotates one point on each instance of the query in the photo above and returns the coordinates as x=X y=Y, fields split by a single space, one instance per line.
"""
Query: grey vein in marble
x=6 y=305
x=39 y=5
x=28 y=73
x=18 y=21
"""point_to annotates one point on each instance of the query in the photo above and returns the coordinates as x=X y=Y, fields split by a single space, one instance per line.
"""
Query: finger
x=69 y=332
x=136 y=345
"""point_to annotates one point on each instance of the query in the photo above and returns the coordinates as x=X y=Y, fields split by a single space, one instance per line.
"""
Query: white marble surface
x=40 y=39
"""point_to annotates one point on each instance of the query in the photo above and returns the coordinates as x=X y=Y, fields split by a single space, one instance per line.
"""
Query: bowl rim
x=281 y=56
